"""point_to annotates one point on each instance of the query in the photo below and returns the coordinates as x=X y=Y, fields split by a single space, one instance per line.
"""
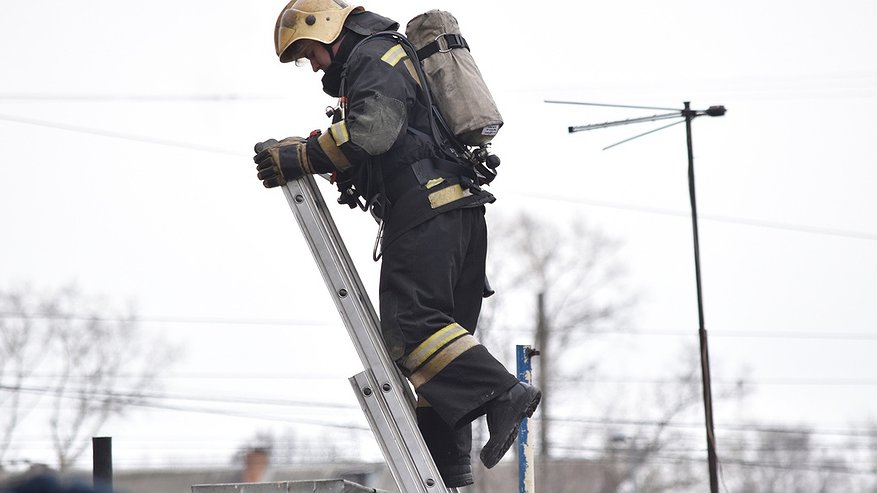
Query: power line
x=820 y=85
x=604 y=380
x=654 y=458
x=779 y=429
x=208 y=376
x=859 y=235
x=761 y=334
x=660 y=458
x=719 y=333
x=831 y=382
x=119 y=135
x=166 y=319
x=177 y=397
x=147 y=98
x=809 y=87
x=77 y=395
x=598 y=203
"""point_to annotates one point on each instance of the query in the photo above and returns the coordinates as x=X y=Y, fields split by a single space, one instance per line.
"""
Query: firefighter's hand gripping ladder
x=383 y=393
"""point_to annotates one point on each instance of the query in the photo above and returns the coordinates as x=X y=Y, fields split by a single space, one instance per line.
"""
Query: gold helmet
x=319 y=20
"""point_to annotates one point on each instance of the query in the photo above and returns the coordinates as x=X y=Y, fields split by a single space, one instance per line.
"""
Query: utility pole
x=544 y=354
x=712 y=459
x=684 y=115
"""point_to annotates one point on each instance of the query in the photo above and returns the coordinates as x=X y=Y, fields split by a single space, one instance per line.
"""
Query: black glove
x=279 y=162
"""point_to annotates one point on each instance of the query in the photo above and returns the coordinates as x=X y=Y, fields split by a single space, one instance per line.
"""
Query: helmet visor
x=300 y=52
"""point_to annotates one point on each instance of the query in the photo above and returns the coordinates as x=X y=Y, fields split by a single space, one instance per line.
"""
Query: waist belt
x=426 y=170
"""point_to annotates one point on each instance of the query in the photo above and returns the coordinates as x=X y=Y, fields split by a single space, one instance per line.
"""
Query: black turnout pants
x=433 y=276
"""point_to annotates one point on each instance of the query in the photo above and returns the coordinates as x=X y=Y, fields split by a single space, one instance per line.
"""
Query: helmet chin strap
x=328 y=49
x=331 y=47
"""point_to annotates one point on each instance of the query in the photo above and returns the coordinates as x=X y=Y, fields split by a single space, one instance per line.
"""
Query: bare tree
x=77 y=356
x=652 y=454
x=561 y=285
x=22 y=351
x=574 y=277
x=564 y=284
x=793 y=459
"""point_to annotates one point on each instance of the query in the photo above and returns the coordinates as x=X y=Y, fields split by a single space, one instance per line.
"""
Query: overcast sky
x=126 y=131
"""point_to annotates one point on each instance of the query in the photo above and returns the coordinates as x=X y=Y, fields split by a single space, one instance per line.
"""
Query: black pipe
x=102 y=462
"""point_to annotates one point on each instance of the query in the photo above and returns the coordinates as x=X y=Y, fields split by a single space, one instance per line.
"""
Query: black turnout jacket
x=382 y=140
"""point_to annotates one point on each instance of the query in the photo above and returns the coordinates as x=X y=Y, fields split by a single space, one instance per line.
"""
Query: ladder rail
x=339 y=273
x=384 y=394
x=384 y=423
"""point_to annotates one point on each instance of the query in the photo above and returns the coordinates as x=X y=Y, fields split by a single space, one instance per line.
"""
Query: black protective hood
x=358 y=26
x=365 y=23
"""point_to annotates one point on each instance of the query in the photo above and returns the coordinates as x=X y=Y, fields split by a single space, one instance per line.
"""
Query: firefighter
x=434 y=247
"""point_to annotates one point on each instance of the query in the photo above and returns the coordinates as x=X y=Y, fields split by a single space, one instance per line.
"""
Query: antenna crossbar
x=594 y=126
x=605 y=105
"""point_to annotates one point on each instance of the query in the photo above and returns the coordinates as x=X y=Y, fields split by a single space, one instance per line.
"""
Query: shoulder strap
x=412 y=53
x=451 y=41
x=453 y=152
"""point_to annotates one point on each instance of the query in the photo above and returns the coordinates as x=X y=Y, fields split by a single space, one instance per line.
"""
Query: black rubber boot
x=504 y=415
x=457 y=476
x=450 y=448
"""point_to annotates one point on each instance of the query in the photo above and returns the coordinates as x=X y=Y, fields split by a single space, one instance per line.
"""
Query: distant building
x=558 y=476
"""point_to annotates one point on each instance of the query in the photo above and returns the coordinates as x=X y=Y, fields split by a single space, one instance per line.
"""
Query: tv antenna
x=686 y=114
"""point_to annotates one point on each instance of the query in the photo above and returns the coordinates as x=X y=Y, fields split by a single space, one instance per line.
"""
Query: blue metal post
x=526 y=471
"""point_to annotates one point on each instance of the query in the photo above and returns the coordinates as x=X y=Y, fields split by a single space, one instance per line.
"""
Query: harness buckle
x=451 y=40
x=378 y=249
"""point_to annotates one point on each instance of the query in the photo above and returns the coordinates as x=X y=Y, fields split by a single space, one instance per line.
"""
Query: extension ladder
x=382 y=391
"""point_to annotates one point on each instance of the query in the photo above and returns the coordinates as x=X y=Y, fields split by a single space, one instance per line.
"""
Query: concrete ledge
x=321 y=486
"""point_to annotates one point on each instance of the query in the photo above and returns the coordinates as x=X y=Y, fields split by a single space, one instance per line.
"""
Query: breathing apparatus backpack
x=462 y=104
x=457 y=86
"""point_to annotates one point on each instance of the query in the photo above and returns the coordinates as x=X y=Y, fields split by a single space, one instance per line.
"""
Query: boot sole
x=459 y=481
x=490 y=456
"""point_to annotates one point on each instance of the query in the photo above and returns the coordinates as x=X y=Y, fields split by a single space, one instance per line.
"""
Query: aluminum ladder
x=383 y=393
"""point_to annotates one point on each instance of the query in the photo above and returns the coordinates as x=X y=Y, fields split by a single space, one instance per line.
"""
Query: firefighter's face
x=316 y=54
